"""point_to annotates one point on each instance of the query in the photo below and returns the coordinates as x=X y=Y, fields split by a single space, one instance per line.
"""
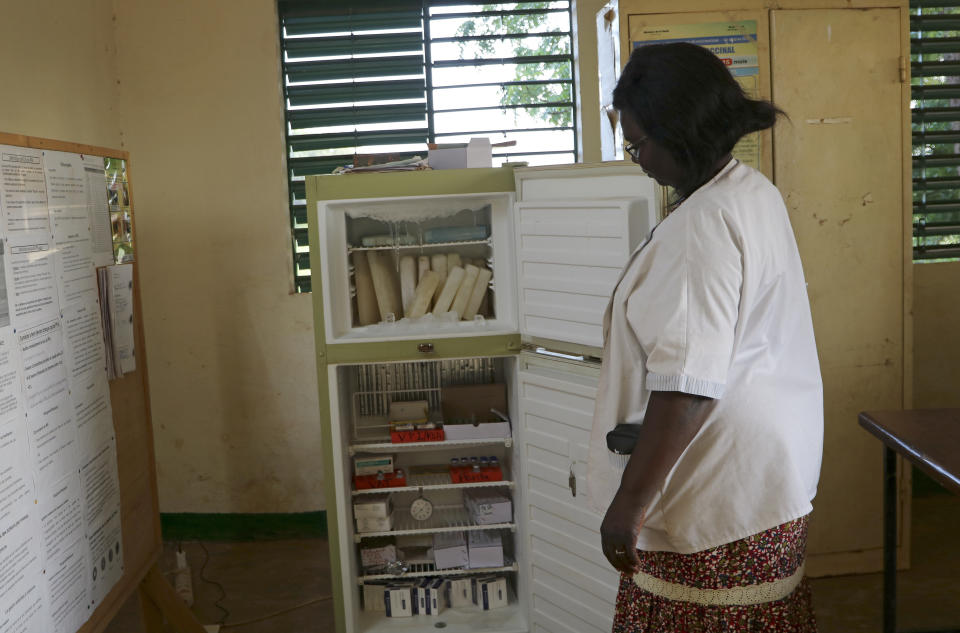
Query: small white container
x=450 y=550
x=485 y=549
x=397 y=601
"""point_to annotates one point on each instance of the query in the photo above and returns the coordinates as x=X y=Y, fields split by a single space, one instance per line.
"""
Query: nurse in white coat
x=709 y=354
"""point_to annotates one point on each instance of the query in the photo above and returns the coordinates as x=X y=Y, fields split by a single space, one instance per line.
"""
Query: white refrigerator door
x=572 y=588
x=576 y=227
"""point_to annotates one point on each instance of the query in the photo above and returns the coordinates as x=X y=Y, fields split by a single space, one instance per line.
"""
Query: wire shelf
x=443 y=520
x=389 y=447
x=418 y=246
x=434 y=481
x=438 y=572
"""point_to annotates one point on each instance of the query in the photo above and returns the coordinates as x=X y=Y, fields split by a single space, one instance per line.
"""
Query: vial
x=475 y=463
x=483 y=461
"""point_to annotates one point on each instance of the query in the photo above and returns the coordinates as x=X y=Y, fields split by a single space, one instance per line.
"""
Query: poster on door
x=735 y=43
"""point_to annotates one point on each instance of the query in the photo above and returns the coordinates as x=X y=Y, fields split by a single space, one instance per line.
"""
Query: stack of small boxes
x=374 y=513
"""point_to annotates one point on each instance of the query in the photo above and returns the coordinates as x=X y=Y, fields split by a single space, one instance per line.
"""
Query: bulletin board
x=131 y=566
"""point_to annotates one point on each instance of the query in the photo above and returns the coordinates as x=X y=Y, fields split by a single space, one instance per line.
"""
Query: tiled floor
x=284 y=586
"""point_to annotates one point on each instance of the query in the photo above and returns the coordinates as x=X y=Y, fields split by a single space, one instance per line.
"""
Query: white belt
x=750 y=594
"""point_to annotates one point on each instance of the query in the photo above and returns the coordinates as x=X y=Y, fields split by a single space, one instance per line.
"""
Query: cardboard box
x=485 y=549
x=397 y=601
x=468 y=415
x=378 y=506
x=490 y=592
x=377 y=557
x=375 y=524
x=373 y=464
x=477 y=153
x=450 y=550
x=458 y=591
x=373 y=597
x=488 y=507
x=436 y=599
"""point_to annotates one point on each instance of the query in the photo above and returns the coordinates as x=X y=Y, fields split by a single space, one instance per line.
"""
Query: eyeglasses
x=634 y=148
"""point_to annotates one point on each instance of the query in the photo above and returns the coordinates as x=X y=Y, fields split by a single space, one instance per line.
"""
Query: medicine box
x=397 y=602
x=373 y=464
x=373 y=597
x=450 y=550
x=378 y=506
x=486 y=507
x=376 y=557
x=458 y=591
x=489 y=592
x=375 y=524
x=485 y=549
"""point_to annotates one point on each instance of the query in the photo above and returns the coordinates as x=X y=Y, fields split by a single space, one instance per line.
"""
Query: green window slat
x=936 y=137
x=931 y=4
x=354 y=92
x=361 y=115
x=299 y=189
x=300 y=237
x=936 y=160
x=936 y=208
x=354 y=45
x=935 y=69
x=341 y=18
x=526 y=59
x=943 y=22
x=923 y=115
x=298 y=214
x=354 y=68
x=312 y=142
x=302 y=260
x=937 y=252
x=935 y=92
x=920 y=184
x=934 y=45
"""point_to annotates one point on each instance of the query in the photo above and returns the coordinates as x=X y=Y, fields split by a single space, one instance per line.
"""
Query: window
x=386 y=77
x=935 y=109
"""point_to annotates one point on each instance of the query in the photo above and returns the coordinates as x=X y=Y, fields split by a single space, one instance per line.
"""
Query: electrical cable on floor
x=223 y=592
x=276 y=613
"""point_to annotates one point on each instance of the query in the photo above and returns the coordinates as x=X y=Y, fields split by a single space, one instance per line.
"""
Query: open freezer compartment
x=402 y=268
x=407 y=514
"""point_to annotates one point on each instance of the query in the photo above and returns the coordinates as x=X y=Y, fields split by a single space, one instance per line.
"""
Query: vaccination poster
x=735 y=43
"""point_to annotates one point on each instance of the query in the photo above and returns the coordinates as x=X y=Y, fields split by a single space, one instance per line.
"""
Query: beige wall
x=230 y=349
x=59 y=71
x=936 y=339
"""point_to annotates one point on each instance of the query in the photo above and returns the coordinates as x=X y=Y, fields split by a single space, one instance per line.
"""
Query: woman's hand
x=618 y=533
x=671 y=421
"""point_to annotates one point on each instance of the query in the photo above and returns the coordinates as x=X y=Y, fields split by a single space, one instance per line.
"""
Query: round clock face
x=421 y=509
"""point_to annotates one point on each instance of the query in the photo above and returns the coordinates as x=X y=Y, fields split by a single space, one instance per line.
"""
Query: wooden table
x=930 y=440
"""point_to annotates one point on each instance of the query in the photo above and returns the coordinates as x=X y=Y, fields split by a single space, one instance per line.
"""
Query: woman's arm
x=671 y=421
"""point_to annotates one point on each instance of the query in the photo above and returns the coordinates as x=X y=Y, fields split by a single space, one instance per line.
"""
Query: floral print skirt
x=723 y=586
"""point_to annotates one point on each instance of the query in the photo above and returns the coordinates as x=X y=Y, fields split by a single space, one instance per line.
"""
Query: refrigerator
x=455 y=441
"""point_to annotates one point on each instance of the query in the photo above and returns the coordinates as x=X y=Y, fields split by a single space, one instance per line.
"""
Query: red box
x=390 y=480
x=466 y=474
x=416 y=435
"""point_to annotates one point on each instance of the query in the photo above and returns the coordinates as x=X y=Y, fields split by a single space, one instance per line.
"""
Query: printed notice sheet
x=60 y=534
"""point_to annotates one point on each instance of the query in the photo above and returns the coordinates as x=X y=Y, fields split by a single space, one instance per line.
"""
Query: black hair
x=687 y=101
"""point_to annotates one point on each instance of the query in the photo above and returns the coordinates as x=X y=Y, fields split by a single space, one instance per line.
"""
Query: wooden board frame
x=136 y=462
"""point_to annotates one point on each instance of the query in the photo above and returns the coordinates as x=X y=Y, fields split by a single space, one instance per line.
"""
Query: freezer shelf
x=434 y=481
x=417 y=247
x=388 y=447
x=443 y=520
x=439 y=572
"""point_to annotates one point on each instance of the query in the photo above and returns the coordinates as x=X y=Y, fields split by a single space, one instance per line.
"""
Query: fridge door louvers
x=575 y=229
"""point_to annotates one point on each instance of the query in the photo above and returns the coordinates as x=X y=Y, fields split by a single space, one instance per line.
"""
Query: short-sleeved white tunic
x=714 y=303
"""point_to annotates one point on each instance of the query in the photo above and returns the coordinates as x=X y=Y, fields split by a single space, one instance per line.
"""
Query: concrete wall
x=229 y=347
x=936 y=339
x=58 y=71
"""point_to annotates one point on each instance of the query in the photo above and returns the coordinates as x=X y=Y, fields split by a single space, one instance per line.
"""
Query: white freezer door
x=576 y=228
x=572 y=588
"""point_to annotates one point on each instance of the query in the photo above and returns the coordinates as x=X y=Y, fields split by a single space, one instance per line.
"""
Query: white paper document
x=101 y=516
x=24 y=191
x=120 y=279
x=99 y=210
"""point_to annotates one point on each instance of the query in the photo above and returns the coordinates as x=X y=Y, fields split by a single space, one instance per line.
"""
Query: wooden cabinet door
x=839 y=163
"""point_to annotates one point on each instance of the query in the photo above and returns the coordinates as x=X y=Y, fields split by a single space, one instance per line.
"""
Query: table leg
x=889 y=540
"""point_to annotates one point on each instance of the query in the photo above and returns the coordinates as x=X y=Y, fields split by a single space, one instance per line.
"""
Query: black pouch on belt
x=623 y=438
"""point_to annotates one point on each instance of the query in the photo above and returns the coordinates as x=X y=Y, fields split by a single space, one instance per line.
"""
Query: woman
x=709 y=354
